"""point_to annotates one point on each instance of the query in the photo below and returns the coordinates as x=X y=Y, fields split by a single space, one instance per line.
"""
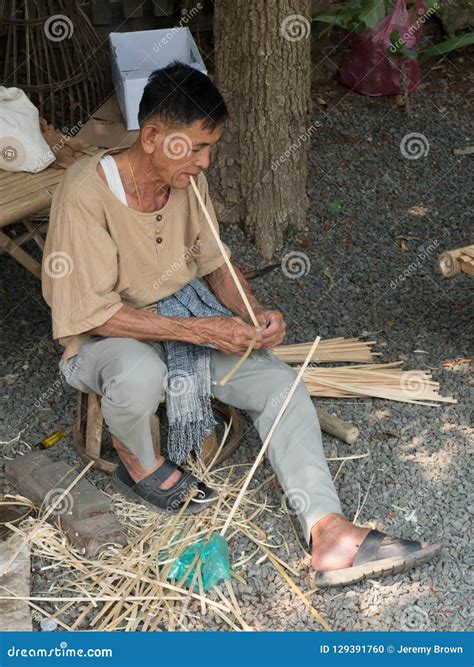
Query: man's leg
x=295 y=451
x=129 y=376
x=341 y=552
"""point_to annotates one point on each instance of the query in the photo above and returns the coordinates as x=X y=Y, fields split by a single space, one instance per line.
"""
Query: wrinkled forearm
x=222 y=284
x=145 y=325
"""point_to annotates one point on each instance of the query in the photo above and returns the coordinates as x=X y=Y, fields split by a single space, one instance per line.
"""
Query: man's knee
x=139 y=384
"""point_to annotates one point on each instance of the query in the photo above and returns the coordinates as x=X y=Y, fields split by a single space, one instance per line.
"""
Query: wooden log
x=331 y=424
x=452 y=262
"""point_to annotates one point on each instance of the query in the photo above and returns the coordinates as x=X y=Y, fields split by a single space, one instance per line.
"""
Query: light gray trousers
x=130 y=376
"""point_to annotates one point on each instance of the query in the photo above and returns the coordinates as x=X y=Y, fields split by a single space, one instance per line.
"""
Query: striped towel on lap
x=188 y=393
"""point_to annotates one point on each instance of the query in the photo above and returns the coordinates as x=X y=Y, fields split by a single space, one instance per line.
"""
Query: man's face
x=178 y=153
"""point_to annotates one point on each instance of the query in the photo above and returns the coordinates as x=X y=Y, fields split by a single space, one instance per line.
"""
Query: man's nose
x=203 y=159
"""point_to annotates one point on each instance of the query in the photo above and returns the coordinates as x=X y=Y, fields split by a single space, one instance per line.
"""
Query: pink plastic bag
x=371 y=68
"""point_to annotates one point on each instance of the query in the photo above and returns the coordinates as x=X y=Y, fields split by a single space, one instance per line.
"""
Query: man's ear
x=152 y=135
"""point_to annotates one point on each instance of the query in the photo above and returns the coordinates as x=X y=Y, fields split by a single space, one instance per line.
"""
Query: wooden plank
x=155 y=433
x=93 y=535
x=95 y=422
x=28 y=200
x=209 y=447
x=26 y=206
x=37 y=477
x=10 y=192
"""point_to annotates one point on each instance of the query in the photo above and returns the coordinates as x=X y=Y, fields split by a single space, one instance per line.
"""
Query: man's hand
x=230 y=334
x=274 y=327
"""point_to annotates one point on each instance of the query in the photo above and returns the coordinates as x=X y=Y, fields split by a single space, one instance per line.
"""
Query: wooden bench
x=23 y=195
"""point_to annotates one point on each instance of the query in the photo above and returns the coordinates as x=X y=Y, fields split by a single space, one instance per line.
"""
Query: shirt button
x=159 y=239
x=158 y=217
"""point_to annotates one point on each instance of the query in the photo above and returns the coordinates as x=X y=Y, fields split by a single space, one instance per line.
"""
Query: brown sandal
x=379 y=555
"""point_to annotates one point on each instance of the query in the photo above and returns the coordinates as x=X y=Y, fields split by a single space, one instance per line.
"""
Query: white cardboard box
x=136 y=54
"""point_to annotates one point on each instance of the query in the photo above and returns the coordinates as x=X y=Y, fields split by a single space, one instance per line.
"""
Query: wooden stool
x=88 y=433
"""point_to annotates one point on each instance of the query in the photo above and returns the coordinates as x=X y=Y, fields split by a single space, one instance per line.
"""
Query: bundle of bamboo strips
x=376 y=380
x=331 y=349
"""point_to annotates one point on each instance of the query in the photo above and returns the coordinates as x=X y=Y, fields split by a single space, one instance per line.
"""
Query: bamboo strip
x=224 y=254
x=268 y=438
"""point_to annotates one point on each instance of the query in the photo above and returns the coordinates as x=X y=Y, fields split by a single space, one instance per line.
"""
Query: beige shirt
x=100 y=254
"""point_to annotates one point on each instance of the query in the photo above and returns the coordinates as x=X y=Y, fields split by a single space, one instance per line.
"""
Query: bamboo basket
x=54 y=54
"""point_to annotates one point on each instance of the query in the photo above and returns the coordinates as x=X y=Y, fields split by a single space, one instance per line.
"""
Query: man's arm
x=230 y=334
x=222 y=284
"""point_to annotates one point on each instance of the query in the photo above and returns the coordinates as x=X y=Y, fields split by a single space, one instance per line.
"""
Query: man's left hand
x=273 y=327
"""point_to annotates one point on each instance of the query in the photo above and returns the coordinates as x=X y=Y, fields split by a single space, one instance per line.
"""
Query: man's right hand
x=230 y=334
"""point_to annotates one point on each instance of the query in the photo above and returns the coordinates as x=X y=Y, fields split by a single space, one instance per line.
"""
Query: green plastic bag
x=214 y=557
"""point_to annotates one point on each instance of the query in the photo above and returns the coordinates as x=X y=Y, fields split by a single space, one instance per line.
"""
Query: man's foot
x=138 y=472
x=344 y=553
x=188 y=490
x=335 y=542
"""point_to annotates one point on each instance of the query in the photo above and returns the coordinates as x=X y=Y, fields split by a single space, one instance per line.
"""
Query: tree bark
x=263 y=71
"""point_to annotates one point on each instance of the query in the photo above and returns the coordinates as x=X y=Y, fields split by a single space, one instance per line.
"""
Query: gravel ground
x=360 y=278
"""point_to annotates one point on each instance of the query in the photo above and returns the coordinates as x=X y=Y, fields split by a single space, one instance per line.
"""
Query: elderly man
x=147 y=310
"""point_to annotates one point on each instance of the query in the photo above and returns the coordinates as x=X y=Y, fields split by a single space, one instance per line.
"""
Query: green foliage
x=290 y=232
x=355 y=15
x=335 y=207
x=448 y=45
x=398 y=47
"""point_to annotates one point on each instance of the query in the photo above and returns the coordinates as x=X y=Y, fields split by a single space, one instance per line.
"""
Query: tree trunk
x=263 y=71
